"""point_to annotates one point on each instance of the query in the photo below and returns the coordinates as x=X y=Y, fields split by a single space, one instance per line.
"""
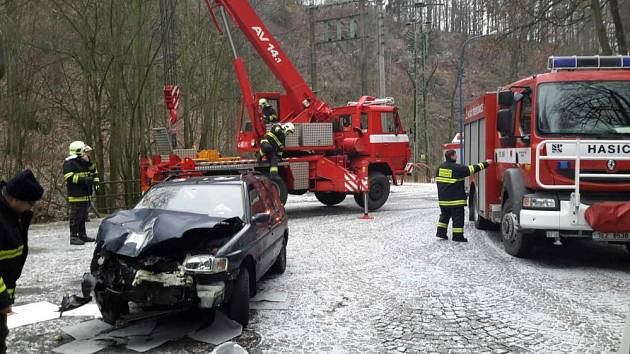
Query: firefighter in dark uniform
x=269 y=114
x=17 y=198
x=452 y=194
x=82 y=179
x=272 y=143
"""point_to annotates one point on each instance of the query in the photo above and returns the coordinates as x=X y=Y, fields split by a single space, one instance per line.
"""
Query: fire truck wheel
x=379 y=191
x=514 y=242
x=481 y=223
x=330 y=198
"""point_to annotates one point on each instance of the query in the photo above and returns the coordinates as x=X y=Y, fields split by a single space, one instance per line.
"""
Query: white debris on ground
x=385 y=285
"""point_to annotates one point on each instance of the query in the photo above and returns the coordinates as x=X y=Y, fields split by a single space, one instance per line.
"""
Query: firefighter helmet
x=79 y=148
x=289 y=128
x=263 y=102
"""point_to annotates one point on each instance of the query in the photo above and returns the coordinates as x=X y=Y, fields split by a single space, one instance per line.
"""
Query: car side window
x=256 y=202
x=273 y=195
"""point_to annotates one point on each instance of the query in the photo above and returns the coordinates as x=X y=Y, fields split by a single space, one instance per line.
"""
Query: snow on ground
x=387 y=285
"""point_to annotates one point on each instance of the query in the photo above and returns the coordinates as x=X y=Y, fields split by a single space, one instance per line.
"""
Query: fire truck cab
x=561 y=143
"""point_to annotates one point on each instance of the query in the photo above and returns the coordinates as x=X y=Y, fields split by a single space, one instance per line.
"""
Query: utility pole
x=415 y=92
x=313 y=47
x=382 y=84
x=425 y=54
x=364 y=83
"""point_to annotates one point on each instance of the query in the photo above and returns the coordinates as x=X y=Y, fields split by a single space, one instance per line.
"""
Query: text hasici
x=609 y=149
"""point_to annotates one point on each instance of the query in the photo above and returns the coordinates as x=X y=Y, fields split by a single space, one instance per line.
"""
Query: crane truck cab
x=561 y=141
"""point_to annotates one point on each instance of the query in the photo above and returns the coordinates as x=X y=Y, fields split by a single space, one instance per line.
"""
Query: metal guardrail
x=114 y=195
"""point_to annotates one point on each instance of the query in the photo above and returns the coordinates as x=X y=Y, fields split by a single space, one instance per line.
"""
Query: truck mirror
x=505 y=98
x=504 y=122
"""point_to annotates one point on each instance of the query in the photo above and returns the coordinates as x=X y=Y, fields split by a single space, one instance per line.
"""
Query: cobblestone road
x=388 y=285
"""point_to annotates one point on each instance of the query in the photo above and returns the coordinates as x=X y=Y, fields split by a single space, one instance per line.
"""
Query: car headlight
x=205 y=264
x=533 y=202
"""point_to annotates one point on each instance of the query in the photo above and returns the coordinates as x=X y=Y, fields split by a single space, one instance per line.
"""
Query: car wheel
x=514 y=242
x=280 y=265
x=330 y=198
x=481 y=223
x=282 y=189
x=94 y=266
x=238 y=307
x=379 y=191
x=111 y=306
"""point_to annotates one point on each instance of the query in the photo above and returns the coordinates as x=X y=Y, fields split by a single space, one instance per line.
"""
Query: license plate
x=618 y=236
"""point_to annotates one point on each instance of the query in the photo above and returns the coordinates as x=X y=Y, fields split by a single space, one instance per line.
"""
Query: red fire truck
x=353 y=149
x=561 y=142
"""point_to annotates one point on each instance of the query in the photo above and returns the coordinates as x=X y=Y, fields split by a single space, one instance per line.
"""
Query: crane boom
x=297 y=90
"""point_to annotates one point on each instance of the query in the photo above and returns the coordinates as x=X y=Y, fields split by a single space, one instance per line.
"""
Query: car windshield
x=584 y=108
x=220 y=200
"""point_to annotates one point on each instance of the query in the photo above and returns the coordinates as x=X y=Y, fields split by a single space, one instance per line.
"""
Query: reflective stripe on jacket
x=276 y=137
x=450 y=178
x=13 y=248
x=79 y=176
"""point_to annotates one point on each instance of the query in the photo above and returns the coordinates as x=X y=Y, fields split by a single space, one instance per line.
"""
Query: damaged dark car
x=201 y=242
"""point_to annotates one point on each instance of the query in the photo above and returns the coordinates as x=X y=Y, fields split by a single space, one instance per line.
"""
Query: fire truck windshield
x=584 y=108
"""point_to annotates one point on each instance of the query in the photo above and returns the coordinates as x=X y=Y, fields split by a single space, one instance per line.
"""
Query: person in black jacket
x=269 y=114
x=452 y=194
x=17 y=198
x=272 y=143
x=82 y=179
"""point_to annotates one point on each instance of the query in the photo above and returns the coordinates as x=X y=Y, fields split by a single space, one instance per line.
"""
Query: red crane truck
x=353 y=149
x=561 y=142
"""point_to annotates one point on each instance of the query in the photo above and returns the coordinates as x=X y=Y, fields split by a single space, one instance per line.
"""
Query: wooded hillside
x=94 y=70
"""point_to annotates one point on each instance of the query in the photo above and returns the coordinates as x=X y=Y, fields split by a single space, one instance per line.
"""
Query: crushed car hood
x=131 y=232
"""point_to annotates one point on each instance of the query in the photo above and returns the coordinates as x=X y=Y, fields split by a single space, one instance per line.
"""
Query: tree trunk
x=619 y=33
x=600 y=28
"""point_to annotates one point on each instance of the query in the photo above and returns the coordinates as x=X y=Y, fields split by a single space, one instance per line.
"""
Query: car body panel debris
x=32 y=313
x=84 y=346
x=87 y=329
x=221 y=330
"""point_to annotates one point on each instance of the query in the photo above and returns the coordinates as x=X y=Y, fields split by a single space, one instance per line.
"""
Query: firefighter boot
x=459 y=238
x=76 y=240
x=83 y=235
x=85 y=238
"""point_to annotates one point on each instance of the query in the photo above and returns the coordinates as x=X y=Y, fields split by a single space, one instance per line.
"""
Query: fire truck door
x=506 y=144
x=522 y=152
x=388 y=136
